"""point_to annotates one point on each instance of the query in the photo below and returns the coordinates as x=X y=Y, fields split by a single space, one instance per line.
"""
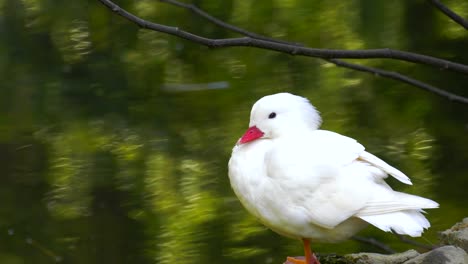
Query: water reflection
x=103 y=163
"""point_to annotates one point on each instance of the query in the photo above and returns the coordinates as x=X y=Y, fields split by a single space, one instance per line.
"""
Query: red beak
x=251 y=134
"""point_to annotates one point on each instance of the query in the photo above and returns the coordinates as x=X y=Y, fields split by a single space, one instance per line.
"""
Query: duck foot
x=301 y=260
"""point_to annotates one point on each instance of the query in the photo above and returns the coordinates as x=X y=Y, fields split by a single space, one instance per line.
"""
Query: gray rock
x=456 y=239
x=457 y=235
x=442 y=255
x=374 y=258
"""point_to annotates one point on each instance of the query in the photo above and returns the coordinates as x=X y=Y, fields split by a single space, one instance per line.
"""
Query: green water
x=114 y=141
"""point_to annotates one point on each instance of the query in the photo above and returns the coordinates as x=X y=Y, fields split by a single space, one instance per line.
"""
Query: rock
x=455 y=252
x=374 y=258
x=457 y=235
x=442 y=255
x=326 y=259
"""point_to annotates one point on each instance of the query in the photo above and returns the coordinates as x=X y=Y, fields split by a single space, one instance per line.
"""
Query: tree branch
x=374 y=242
x=291 y=49
x=259 y=41
x=196 y=10
x=414 y=243
x=402 y=78
x=337 y=62
x=448 y=12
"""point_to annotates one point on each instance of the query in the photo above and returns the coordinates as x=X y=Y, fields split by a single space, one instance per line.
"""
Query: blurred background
x=114 y=141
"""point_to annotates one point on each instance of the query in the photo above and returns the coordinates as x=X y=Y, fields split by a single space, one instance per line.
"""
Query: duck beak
x=251 y=134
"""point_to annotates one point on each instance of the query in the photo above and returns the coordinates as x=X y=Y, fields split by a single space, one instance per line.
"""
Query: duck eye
x=272 y=115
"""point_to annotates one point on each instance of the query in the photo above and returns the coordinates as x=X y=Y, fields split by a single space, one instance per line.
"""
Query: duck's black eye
x=272 y=115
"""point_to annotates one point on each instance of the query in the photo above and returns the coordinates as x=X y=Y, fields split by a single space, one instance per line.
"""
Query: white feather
x=408 y=222
x=384 y=202
x=385 y=167
x=308 y=183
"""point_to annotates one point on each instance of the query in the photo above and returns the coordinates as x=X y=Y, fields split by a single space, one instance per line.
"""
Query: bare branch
x=259 y=41
x=291 y=49
x=448 y=12
x=196 y=10
x=414 y=243
x=402 y=78
x=340 y=63
x=374 y=242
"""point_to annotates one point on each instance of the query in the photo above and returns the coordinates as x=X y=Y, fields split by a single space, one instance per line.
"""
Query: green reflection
x=103 y=162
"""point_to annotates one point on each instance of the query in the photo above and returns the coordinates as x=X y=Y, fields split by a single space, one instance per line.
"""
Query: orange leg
x=309 y=256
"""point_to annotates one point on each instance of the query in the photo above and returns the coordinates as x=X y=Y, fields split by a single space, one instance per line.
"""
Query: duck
x=316 y=185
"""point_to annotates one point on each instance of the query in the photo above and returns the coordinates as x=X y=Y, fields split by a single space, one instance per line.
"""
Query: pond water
x=114 y=141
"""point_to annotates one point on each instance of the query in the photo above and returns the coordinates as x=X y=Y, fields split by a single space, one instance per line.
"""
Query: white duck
x=313 y=184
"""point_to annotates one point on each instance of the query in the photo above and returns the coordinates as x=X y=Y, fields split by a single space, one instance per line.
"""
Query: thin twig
x=337 y=62
x=196 y=10
x=448 y=12
x=291 y=49
x=253 y=37
x=375 y=243
x=402 y=78
x=414 y=243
